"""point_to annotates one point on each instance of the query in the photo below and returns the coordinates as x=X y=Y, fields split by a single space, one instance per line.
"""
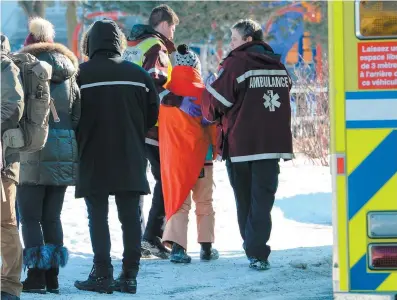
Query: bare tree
x=33 y=8
x=310 y=120
x=71 y=20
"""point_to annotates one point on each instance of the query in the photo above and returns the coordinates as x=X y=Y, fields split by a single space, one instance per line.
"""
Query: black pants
x=40 y=210
x=128 y=212
x=255 y=184
x=155 y=222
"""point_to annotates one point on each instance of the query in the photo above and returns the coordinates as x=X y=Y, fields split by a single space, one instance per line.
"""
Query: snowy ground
x=301 y=241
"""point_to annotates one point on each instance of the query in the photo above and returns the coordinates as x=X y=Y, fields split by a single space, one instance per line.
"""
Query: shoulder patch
x=133 y=54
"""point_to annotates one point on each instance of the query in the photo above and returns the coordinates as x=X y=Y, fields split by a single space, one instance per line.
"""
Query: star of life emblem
x=271 y=100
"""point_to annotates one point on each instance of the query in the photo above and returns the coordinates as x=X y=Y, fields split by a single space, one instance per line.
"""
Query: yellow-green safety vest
x=136 y=54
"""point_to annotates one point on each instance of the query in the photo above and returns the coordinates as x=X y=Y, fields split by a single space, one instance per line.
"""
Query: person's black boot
x=51 y=279
x=100 y=280
x=259 y=264
x=155 y=247
x=59 y=256
x=208 y=253
x=126 y=282
x=7 y=296
x=145 y=253
x=34 y=282
x=179 y=255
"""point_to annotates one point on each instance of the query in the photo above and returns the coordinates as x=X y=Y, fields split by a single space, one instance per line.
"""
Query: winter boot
x=7 y=296
x=208 y=253
x=59 y=255
x=100 y=280
x=126 y=282
x=51 y=279
x=34 y=282
x=37 y=260
x=145 y=253
x=156 y=248
x=59 y=258
x=179 y=255
x=259 y=265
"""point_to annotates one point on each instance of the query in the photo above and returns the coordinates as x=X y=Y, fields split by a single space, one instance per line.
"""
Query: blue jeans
x=254 y=184
x=128 y=212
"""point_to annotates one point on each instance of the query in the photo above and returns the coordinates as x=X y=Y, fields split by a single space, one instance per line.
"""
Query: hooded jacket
x=12 y=106
x=252 y=98
x=56 y=163
x=184 y=141
x=119 y=103
x=156 y=63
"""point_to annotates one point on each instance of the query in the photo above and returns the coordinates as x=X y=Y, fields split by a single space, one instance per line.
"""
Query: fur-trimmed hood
x=5 y=44
x=64 y=63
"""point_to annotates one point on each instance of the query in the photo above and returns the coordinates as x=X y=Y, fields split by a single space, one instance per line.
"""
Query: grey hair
x=249 y=28
x=84 y=42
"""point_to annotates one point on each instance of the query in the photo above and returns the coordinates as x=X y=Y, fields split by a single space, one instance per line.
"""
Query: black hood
x=140 y=32
x=258 y=52
x=263 y=48
x=105 y=36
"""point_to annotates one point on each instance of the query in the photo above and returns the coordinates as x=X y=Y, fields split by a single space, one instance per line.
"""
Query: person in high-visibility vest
x=149 y=46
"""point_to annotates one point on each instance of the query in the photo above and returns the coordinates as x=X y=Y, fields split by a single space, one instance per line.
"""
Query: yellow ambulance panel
x=363 y=95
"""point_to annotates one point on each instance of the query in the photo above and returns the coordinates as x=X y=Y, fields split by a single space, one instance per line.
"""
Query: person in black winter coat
x=45 y=174
x=119 y=105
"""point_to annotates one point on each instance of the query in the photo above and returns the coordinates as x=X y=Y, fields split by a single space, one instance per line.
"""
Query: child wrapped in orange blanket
x=184 y=145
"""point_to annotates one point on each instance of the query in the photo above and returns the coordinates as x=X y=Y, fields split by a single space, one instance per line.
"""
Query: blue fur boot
x=37 y=260
x=59 y=259
x=43 y=268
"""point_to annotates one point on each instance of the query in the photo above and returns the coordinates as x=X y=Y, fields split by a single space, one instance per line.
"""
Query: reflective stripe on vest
x=136 y=54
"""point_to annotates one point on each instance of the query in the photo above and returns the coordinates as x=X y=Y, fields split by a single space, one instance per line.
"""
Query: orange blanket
x=183 y=141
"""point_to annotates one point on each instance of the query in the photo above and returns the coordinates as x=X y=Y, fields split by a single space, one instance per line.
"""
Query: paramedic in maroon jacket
x=251 y=100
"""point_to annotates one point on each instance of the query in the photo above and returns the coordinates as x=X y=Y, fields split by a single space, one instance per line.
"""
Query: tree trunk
x=39 y=8
x=71 y=20
x=33 y=8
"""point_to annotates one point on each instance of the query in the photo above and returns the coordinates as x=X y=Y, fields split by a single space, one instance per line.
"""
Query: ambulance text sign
x=377 y=65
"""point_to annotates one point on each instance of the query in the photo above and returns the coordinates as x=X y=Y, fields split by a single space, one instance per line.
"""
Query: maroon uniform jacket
x=251 y=99
x=156 y=64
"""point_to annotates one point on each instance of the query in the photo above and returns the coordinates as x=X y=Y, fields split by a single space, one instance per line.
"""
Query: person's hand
x=210 y=79
x=205 y=122
x=216 y=156
x=189 y=107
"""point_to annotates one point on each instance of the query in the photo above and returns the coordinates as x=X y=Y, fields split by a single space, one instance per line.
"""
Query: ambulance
x=363 y=100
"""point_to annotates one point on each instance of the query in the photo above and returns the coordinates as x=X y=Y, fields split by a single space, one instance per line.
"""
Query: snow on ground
x=301 y=241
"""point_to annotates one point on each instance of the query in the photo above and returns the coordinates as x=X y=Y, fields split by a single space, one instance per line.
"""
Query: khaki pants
x=11 y=248
x=176 y=227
